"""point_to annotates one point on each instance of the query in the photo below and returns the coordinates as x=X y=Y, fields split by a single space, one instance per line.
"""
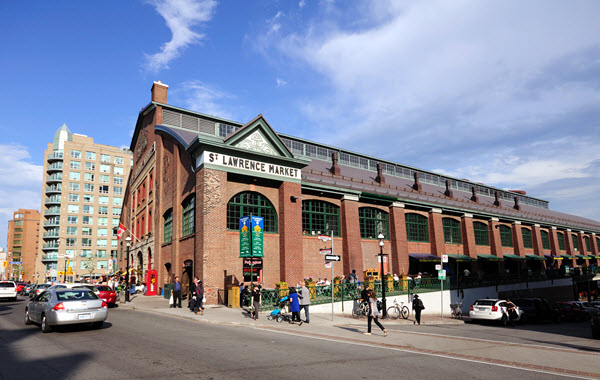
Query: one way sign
x=332 y=258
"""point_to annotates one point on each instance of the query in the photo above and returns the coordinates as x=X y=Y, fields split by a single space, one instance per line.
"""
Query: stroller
x=278 y=314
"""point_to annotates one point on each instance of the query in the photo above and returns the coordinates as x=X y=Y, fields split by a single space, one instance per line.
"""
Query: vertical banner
x=257 y=236
x=245 y=243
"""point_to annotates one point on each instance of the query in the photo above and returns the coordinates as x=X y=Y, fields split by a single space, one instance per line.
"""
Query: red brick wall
x=399 y=245
x=291 y=261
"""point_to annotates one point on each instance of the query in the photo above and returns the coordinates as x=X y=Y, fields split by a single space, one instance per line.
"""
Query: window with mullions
x=575 y=242
x=527 y=241
x=452 y=234
x=598 y=244
x=251 y=203
x=506 y=236
x=320 y=217
x=480 y=230
x=373 y=222
x=586 y=239
x=417 y=228
x=188 y=208
x=168 y=226
x=561 y=240
x=545 y=239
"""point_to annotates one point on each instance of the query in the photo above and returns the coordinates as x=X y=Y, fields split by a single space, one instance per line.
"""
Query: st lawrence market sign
x=249 y=165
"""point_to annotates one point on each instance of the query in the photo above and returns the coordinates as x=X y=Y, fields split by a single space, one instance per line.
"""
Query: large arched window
x=452 y=234
x=586 y=239
x=482 y=236
x=527 y=241
x=251 y=203
x=188 y=225
x=168 y=226
x=373 y=221
x=417 y=228
x=575 y=242
x=320 y=217
x=561 y=240
x=545 y=239
x=506 y=236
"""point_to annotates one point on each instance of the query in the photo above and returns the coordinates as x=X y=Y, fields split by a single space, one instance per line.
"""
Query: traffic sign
x=333 y=257
x=442 y=274
x=438 y=266
x=328 y=264
x=324 y=237
x=444 y=258
x=325 y=251
x=15 y=262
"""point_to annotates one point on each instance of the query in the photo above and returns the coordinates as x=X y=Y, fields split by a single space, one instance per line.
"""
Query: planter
x=282 y=289
x=312 y=290
x=389 y=281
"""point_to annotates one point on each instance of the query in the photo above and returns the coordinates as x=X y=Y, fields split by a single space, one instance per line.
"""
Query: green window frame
x=586 y=239
x=188 y=225
x=251 y=203
x=506 y=236
x=417 y=227
x=168 y=226
x=452 y=233
x=320 y=217
x=561 y=241
x=545 y=239
x=598 y=244
x=373 y=221
x=482 y=235
x=527 y=241
x=575 y=242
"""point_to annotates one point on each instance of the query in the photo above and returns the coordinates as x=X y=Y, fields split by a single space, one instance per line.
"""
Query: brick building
x=195 y=175
x=23 y=240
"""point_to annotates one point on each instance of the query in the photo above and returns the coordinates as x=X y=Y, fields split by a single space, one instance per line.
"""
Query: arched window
x=561 y=240
x=452 y=234
x=586 y=239
x=320 y=217
x=168 y=226
x=506 y=236
x=545 y=239
x=527 y=241
x=482 y=236
x=188 y=208
x=598 y=244
x=417 y=228
x=251 y=203
x=575 y=242
x=373 y=221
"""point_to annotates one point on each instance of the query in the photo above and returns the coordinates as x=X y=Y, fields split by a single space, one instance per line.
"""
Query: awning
x=568 y=257
x=459 y=257
x=583 y=257
x=512 y=257
x=553 y=257
x=489 y=257
x=534 y=257
x=424 y=257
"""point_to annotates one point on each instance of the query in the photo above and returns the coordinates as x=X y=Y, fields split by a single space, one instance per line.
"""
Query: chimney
x=159 y=92
x=474 y=196
x=497 y=202
x=417 y=186
x=335 y=169
x=380 y=178
x=448 y=192
x=517 y=206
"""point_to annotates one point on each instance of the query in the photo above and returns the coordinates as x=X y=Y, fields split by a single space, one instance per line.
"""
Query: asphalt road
x=134 y=344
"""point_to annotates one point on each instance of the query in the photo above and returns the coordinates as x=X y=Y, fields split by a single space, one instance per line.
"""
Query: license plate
x=85 y=316
x=481 y=308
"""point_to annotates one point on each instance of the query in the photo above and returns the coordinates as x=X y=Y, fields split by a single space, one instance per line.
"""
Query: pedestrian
x=245 y=297
x=176 y=286
x=511 y=311
x=353 y=277
x=417 y=306
x=373 y=313
x=256 y=299
x=294 y=306
x=193 y=298
x=199 y=294
x=304 y=301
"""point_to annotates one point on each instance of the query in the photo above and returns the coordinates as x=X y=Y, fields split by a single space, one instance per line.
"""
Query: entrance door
x=187 y=277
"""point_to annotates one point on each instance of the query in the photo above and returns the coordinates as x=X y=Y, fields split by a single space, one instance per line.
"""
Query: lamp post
x=383 y=285
x=65 y=274
x=128 y=240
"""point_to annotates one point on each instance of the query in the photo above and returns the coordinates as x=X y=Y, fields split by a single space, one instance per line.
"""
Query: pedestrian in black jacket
x=176 y=286
x=199 y=294
x=417 y=306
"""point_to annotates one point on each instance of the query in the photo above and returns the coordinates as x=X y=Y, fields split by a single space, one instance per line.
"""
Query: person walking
x=192 y=298
x=417 y=306
x=176 y=286
x=294 y=306
x=256 y=299
x=199 y=294
x=373 y=313
x=304 y=301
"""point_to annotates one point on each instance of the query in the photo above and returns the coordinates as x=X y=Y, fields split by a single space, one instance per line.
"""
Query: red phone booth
x=151 y=283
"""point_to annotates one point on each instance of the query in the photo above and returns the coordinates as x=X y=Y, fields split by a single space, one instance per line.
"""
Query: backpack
x=420 y=304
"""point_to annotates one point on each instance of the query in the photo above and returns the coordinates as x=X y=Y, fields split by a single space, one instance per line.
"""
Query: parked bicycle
x=456 y=310
x=361 y=308
x=398 y=310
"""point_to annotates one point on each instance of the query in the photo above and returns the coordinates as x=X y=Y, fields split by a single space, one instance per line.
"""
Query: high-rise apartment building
x=23 y=244
x=83 y=189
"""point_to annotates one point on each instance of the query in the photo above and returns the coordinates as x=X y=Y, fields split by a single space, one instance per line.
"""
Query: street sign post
x=442 y=277
x=325 y=251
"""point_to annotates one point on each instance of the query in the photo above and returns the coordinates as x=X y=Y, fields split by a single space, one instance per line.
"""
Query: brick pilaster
x=569 y=242
x=398 y=239
x=536 y=236
x=468 y=235
x=352 y=251
x=517 y=236
x=495 y=242
x=436 y=232
x=291 y=261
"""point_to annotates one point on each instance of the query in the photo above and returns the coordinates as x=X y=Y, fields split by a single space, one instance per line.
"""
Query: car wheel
x=45 y=326
x=504 y=320
x=27 y=320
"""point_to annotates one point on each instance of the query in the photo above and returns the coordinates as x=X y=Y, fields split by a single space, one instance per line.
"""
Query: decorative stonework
x=256 y=142
x=212 y=190
x=141 y=144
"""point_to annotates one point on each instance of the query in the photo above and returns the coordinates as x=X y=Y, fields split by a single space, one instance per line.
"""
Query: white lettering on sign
x=250 y=165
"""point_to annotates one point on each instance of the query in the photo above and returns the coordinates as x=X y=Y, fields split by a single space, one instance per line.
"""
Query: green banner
x=245 y=243
x=257 y=236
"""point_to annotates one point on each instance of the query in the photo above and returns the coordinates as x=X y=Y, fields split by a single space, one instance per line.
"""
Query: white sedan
x=492 y=310
x=8 y=289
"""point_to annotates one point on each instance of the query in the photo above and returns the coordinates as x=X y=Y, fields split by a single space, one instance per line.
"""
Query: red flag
x=120 y=231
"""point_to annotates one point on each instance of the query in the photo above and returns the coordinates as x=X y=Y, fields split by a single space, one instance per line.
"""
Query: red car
x=572 y=311
x=20 y=286
x=107 y=294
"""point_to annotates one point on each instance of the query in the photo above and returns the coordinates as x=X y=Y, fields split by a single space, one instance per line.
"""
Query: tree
x=90 y=265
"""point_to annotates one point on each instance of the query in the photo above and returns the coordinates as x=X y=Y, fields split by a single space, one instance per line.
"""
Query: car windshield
x=103 y=288
x=75 y=295
x=7 y=284
x=485 y=302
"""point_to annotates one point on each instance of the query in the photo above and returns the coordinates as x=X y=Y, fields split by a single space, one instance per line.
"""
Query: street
x=140 y=344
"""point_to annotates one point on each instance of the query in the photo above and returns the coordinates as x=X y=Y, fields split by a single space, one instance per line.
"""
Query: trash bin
x=167 y=292
x=233 y=297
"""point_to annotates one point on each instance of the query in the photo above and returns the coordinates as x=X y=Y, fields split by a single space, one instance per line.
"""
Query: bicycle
x=456 y=310
x=398 y=310
x=360 y=309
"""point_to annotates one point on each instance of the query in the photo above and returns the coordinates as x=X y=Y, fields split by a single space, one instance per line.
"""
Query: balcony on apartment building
x=52 y=211
x=55 y=156
x=55 y=167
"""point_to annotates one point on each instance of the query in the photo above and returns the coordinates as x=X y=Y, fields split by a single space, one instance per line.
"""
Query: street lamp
x=383 y=285
x=65 y=274
x=128 y=240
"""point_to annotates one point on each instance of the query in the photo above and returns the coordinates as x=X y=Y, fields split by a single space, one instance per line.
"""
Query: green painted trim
x=534 y=257
x=378 y=197
x=489 y=257
x=459 y=257
x=511 y=256
x=260 y=124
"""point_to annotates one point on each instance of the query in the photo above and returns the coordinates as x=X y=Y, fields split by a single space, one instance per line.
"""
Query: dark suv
x=537 y=310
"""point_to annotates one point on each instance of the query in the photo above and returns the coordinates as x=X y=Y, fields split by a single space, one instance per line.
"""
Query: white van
x=8 y=289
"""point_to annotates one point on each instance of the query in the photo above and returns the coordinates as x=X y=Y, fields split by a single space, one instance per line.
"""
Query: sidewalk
x=221 y=314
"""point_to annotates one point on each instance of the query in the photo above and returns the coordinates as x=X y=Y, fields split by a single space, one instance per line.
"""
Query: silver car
x=56 y=307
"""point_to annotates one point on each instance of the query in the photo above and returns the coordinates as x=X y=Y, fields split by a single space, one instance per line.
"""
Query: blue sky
x=501 y=92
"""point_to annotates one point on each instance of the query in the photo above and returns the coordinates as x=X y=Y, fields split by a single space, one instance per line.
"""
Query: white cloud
x=280 y=82
x=181 y=16
x=198 y=96
x=301 y=4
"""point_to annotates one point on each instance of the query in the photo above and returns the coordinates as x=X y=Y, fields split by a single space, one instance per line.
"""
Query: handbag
x=171 y=300
x=203 y=299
